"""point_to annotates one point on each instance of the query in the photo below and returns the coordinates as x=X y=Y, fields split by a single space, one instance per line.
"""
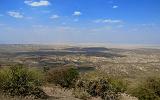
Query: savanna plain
x=61 y=72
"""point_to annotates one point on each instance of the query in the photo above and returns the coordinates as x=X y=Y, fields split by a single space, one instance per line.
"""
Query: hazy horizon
x=79 y=22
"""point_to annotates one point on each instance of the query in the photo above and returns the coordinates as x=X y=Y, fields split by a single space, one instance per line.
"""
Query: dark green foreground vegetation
x=149 y=89
x=19 y=80
x=22 y=81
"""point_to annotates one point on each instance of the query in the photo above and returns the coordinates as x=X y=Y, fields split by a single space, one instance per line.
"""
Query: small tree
x=21 y=81
x=64 y=77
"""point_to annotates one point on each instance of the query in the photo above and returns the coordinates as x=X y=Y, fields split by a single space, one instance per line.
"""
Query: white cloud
x=77 y=13
x=115 y=7
x=54 y=17
x=15 y=14
x=110 y=21
x=152 y=24
x=36 y=4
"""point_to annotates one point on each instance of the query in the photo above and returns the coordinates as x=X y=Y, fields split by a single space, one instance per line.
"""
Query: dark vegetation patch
x=108 y=88
x=85 y=69
x=149 y=89
x=89 y=49
x=21 y=81
x=65 y=53
x=65 y=77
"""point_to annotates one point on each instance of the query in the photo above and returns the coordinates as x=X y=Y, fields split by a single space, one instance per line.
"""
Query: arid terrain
x=131 y=64
x=116 y=61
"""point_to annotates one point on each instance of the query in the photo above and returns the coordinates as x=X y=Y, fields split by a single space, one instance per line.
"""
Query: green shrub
x=102 y=88
x=118 y=85
x=148 y=90
x=21 y=81
x=45 y=69
x=99 y=84
x=98 y=87
x=64 y=77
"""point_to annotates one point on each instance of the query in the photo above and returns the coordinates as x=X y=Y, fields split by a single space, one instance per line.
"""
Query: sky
x=79 y=21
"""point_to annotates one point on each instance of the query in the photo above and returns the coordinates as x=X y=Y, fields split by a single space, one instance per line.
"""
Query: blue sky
x=80 y=21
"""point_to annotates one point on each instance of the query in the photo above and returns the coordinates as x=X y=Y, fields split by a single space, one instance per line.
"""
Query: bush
x=64 y=77
x=99 y=87
x=148 y=90
x=21 y=81
x=118 y=85
x=102 y=85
